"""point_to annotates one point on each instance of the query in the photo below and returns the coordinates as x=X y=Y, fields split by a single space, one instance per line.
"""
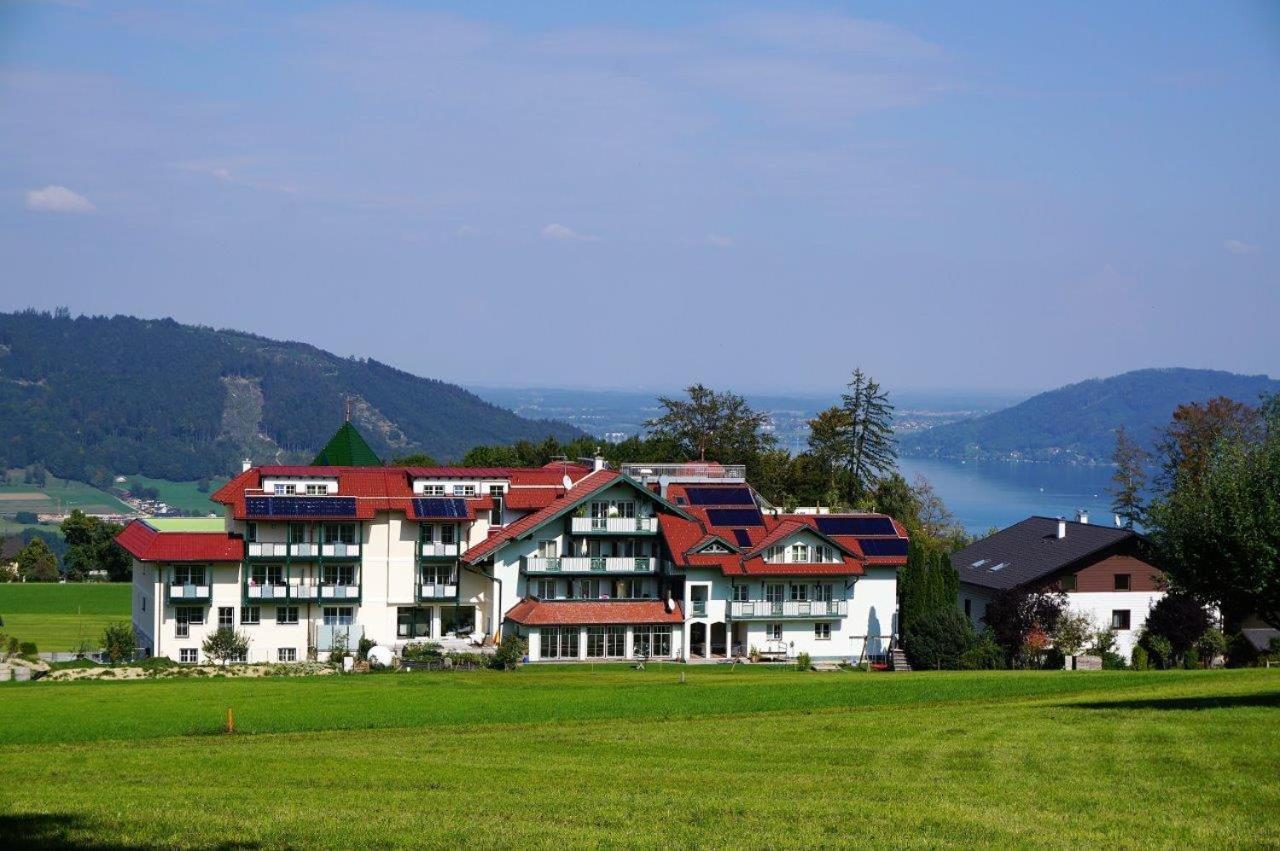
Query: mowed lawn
x=578 y=756
x=56 y=616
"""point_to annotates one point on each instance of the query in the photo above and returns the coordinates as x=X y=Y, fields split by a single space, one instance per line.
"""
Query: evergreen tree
x=1130 y=478
x=871 y=449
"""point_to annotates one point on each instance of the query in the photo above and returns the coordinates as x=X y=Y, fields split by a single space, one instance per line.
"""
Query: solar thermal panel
x=856 y=526
x=440 y=507
x=734 y=517
x=883 y=546
x=743 y=539
x=720 y=496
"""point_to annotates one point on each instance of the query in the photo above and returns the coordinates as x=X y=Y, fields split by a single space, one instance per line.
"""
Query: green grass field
x=56 y=617
x=579 y=756
x=57 y=495
x=185 y=496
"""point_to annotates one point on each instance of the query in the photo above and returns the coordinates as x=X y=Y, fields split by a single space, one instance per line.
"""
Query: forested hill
x=89 y=397
x=1078 y=422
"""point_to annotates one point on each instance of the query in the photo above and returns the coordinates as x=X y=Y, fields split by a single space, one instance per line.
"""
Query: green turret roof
x=347 y=449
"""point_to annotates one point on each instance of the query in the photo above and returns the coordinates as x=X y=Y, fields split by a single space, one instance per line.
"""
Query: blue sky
x=759 y=197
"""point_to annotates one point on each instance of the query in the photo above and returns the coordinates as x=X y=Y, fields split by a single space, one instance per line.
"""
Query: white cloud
x=560 y=232
x=719 y=240
x=1235 y=246
x=57 y=199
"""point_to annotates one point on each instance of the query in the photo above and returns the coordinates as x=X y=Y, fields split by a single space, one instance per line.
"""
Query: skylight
x=1001 y=566
x=980 y=562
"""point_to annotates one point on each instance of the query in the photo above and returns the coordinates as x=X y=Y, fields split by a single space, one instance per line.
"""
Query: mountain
x=90 y=397
x=1077 y=423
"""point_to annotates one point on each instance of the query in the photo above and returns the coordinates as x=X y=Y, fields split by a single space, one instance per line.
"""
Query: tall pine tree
x=871 y=449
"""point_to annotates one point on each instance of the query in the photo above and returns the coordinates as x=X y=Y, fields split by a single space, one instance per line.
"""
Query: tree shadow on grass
x=1269 y=700
x=65 y=830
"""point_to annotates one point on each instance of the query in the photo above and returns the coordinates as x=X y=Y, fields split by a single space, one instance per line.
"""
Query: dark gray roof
x=1031 y=550
x=11 y=546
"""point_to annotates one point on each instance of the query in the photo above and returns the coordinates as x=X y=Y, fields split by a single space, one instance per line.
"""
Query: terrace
x=774 y=609
x=591 y=564
x=614 y=525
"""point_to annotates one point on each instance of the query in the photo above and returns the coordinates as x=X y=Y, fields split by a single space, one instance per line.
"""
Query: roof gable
x=1030 y=551
x=347 y=449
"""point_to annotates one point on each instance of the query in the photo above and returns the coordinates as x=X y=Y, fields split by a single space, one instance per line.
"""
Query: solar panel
x=734 y=517
x=300 y=506
x=856 y=526
x=883 y=546
x=440 y=507
x=719 y=496
x=743 y=539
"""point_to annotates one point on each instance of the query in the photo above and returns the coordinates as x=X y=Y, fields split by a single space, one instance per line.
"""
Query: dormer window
x=282 y=489
x=433 y=490
x=317 y=490
x=464 y=490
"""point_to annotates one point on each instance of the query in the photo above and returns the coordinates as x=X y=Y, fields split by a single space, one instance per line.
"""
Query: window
x=773 y=592
x=595 y=642
x=545 y=589
x=464 y=490
x=446 y=534
x=822 y=631
x=433 y=490
x=287 y=654
x=426 y=533
x=340 y=533
x=823 y=592
x=586 y=589
x=1122 y=583
x=630 y=589
x=615 y=641
x=226 y=617
x=1069 y=583
x=560 y=642
x=251 y=615
x=457 y=620
x=652 y=641
x=339 y=574
x=285 y=490
x=297 y=533
x=496 y=515
x=251 y=532
x=286 y=615
x=317 y=489
x=547 y=549
x=188 y=574
x=773 y=631
x=799 y=593
x=968 y=608
x=438 y=574
x=775 y=554
x=741 y=593
x=266 y=574
x=189 y=655
x=185 y=616
x=825 y=553
x=339 y=615
x=1120 y=619
x=413 y=622
x=801 y=553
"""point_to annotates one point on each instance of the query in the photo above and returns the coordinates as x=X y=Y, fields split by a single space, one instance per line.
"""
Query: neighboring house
x=680 y=561
x=1105 y=571
x=9 y=549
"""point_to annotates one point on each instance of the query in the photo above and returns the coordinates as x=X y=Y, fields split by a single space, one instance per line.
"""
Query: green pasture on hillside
x=184 y=496
x=560 y=756
x=58 y=616
x=58 y=495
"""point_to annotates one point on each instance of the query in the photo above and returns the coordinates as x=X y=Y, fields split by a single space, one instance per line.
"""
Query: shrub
x=1140 y=660
x=1179 y=619
x=803 y=662
x=422 y=651
x=226 y=644
x=938 y=639
x=1211 y=645
x=1159 y=648
x=1240 y=652
x=1191 y=661
x=118 y=642
x=984 y=655
x=363 y=648
x=1104 y=642
x=466 y=659
x=1113 y=662
x=1072 y=631
x=27 y=648
x=511 y=652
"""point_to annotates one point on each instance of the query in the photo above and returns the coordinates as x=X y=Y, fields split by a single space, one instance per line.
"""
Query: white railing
x=305 y=550
x=437 y=592
x=438 y=549
x=303 y=592
x=603 y=564
x=267 y=592
x=615 y=524
x=340 y=550
x=259 y=549
x=789 y=609
x=339 y=592
x=188 y=592
x=694 y=471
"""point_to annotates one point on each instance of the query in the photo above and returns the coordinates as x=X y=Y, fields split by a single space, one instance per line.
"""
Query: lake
x=996 y=493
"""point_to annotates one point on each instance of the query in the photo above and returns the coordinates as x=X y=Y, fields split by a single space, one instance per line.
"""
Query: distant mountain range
x=1077 y=423
x=90 y=397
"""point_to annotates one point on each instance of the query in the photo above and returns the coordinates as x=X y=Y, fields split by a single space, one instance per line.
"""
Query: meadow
x=185 y=496
x=57 y=496
x=57 y=617
x=556 y=756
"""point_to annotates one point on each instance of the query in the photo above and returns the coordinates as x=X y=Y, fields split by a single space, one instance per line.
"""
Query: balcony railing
x=437 y=591
x=692 y=471
x=187 y=593
x=340 y=550
x=267 y=591
x=698 y=608
x=591 y=564
x=304 y=592
x=264 y=549
x=438 y=550
x=339 y=593
x=614 y=525
x=789 y=609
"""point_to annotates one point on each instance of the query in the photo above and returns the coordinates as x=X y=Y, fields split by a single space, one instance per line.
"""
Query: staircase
x=898 y=661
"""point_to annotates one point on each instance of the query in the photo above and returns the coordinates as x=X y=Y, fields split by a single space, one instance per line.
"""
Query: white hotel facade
x=683 y=562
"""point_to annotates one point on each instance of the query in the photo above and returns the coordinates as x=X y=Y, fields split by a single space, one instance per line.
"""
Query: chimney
x=244 y=468
x=1062 y=528
x=1119 y=522
x=597 y=464
x=1082 y=516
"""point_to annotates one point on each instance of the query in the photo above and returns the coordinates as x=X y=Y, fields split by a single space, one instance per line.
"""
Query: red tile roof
x=146 y=543
x=528 y=499
x=582 y=489
x=533 y=612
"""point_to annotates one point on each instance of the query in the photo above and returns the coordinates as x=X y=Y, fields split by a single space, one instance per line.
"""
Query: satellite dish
x=568 y=482
x=671 y=605
x=380 y=657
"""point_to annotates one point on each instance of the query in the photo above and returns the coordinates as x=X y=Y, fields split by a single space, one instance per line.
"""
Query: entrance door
x=698 y=640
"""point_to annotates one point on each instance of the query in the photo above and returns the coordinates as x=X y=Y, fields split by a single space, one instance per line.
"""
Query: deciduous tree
x=712 y=426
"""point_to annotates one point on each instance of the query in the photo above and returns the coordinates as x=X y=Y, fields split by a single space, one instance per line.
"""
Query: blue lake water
x=995 y=493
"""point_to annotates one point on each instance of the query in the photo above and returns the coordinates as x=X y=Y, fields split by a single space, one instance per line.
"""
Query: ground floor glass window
x=412 y=622
x=559 y=642
x=457 y=620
